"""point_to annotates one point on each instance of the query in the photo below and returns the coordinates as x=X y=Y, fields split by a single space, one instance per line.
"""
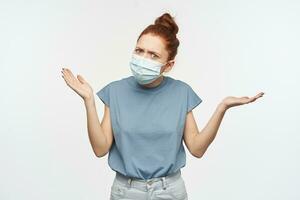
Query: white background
x=228 y=48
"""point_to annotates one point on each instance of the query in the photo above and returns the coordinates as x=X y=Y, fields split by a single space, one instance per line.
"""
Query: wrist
x=222 y=107
x=89 y=101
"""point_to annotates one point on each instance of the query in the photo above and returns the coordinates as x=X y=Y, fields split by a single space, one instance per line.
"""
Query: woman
x=146 y=117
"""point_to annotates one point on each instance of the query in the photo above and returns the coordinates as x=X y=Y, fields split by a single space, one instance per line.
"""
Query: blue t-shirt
x=148 y=125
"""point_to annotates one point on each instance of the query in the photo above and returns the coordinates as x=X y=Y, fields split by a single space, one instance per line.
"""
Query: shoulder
x=180 y=83
x=117 y=83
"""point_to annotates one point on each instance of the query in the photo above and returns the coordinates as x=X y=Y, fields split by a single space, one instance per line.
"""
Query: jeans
x=171 y=187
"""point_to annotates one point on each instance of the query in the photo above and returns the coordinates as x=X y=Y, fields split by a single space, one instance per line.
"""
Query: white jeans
x=171 y=187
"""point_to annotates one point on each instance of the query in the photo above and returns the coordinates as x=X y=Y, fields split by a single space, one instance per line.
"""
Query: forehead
x=151 y=42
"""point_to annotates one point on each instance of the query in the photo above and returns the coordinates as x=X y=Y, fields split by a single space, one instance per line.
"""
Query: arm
x=209 y=132
x=95 y=131
x=196 y=142
x=100 y=134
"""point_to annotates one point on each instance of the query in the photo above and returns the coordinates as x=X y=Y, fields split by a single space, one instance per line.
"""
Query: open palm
x=236 y=101
x=79 y=84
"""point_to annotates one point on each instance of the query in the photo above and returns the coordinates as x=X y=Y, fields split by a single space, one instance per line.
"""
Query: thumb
x=81 y=79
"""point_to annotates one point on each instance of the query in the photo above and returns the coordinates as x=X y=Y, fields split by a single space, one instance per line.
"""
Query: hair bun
x=168 y=21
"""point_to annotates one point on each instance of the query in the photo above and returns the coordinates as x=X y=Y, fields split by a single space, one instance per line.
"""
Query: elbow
x=99 y=153
x=198 y=154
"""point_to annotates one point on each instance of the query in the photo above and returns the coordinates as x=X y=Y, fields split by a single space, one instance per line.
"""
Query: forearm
x=208 y=133
x=95 y=131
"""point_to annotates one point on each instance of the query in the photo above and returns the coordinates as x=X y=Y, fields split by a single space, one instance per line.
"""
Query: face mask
x=145 y=70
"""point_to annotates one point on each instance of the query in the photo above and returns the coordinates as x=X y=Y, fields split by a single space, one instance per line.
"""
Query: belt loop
x=164 y=182
x=129 y=182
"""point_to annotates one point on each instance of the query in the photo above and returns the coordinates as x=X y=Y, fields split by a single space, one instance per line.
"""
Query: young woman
x=146 y=117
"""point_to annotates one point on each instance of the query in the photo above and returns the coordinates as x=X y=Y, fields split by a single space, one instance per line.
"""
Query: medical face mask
x=144 y=69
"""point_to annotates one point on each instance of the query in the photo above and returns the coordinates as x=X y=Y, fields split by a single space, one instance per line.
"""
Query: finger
x=71 y=78
x=259 y=95
x=68 y=77
x=65 y=73
x=249 y=100
x=63 y=76
x=81 y=79
x=69 y=74
x=256 y=97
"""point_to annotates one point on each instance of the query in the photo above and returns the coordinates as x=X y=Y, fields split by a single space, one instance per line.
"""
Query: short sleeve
x=104 y=94
x=193 y=100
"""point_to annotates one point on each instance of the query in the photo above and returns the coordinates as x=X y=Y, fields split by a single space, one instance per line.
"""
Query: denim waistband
x=146 y=184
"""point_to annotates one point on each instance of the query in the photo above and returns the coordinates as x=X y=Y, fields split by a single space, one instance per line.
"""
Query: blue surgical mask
x=144 y=69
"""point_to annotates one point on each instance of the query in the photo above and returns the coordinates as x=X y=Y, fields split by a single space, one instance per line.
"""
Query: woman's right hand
x=79 y=84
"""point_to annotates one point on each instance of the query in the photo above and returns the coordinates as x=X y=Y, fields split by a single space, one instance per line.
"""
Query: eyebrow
x=148 y=51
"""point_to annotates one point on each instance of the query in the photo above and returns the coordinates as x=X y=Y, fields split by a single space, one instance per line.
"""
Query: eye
x=137 y=50
x=154 y=56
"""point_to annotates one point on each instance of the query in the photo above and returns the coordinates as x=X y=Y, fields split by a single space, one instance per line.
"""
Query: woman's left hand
x=231 y=101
